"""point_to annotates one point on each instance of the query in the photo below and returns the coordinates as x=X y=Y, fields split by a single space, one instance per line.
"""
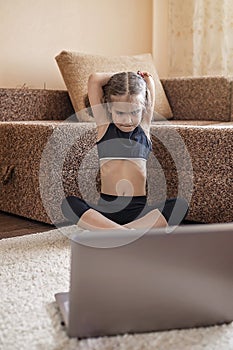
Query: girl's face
x=126 y=111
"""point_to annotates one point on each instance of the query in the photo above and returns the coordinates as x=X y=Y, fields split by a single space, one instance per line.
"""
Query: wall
x=160 y=39
x=34 y=31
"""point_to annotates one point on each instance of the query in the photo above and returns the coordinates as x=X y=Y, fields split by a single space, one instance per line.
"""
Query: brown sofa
x=46 y=154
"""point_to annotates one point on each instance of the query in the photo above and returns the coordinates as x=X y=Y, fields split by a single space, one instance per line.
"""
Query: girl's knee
x=160 y=220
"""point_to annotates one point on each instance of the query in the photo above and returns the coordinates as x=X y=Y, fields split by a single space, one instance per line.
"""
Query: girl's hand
x=144 y=75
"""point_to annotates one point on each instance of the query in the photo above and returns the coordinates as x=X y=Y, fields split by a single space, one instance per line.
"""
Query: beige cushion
x=76 y=68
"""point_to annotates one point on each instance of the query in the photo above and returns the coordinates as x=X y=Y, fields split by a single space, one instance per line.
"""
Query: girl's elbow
x=93 y=78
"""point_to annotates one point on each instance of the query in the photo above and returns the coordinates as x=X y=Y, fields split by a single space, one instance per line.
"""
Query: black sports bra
x=117 y=144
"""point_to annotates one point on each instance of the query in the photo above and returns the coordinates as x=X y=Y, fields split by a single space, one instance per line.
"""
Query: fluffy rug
x=33 y=268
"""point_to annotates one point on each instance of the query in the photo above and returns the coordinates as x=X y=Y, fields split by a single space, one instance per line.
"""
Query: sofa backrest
x=190 y=98
x=34 y=104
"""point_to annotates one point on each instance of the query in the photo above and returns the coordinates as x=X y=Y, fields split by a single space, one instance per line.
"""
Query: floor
x=13 y=225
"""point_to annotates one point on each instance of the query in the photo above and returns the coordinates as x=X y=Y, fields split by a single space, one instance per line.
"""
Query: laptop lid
x=156 y=281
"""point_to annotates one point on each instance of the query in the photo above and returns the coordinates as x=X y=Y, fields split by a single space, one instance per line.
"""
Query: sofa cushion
x=34 y=158
x=34 y=104
x=76 y=68
x=210 y=149
x=199 y=98
x=43 y=161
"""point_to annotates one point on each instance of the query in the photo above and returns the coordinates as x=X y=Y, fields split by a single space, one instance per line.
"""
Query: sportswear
x=118 y=144
x=123 y=210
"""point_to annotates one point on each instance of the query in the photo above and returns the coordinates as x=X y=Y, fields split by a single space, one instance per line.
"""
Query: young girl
x=122 y=105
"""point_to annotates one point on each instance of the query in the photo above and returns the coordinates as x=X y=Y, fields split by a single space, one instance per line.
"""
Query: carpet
x=33 y=268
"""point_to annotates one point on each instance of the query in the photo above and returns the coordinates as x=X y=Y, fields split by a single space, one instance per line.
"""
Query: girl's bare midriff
x=123 y=177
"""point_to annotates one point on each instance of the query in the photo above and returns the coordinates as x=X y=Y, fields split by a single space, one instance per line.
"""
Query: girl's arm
x=148 y=114
x=96 y=82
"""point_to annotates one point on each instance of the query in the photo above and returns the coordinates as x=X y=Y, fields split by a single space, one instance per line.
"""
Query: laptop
x=134 y=281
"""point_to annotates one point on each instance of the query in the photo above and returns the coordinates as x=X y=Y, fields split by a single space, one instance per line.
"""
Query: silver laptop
x=154 y=281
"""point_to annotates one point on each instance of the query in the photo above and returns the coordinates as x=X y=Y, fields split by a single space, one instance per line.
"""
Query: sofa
x=47 y=154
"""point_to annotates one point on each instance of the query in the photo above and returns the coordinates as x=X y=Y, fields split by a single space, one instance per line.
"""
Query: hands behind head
x=144 y=74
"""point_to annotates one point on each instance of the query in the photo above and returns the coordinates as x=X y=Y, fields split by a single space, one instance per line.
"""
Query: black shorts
x=123 y=209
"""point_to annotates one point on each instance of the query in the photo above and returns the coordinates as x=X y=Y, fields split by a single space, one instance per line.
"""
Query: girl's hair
x=125 y=83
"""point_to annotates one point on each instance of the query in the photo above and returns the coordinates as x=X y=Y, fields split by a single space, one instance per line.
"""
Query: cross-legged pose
x=122 y=105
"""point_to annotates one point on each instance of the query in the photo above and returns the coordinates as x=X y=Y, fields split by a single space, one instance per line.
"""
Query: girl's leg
x=174 y=210
x=170 y=212
x=162 y=214
x=93 y=220
x=153 y=219
x=77 y=211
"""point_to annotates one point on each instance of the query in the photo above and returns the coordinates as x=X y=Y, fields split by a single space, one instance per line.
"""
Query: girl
x=122 y=105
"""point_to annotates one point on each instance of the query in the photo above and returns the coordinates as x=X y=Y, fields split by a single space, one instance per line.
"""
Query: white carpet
x=33 y=268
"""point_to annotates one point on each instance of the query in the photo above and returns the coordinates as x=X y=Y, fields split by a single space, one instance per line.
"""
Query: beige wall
x=160 y=39
x=34 y=31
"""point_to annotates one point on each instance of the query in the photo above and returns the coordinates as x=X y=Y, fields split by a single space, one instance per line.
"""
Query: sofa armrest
x=199 y=98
